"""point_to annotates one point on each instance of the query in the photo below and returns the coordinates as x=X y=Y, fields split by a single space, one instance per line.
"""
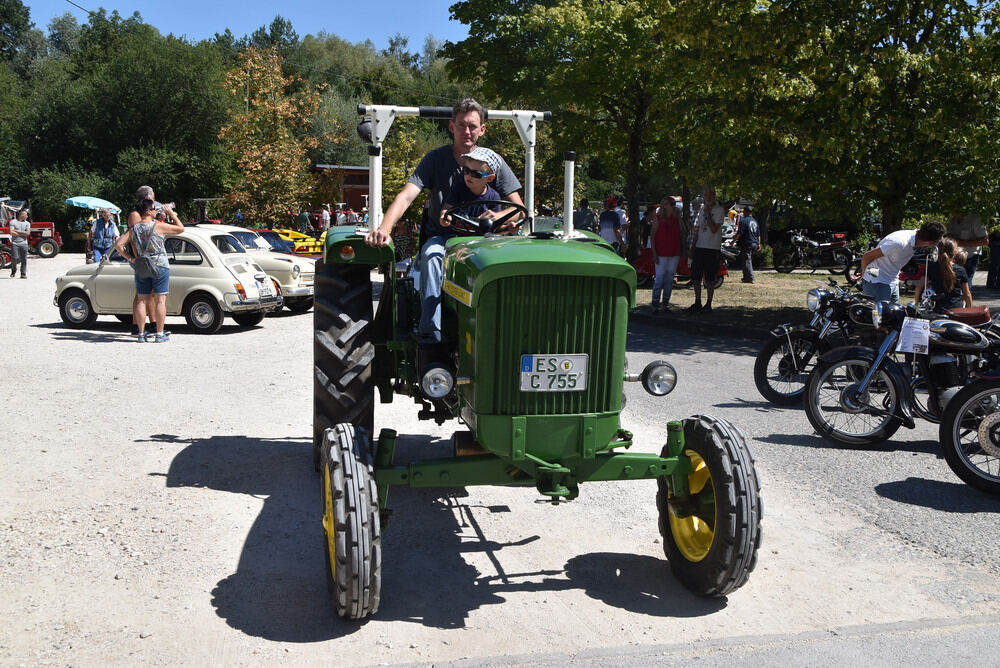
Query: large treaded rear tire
x=343 y=352
x=352 y=529
x=713 y=551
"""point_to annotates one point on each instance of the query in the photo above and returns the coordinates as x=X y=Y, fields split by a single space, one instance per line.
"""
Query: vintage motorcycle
x=790 y=352
x=832 y=254
x=970 y=434
x=857 y=396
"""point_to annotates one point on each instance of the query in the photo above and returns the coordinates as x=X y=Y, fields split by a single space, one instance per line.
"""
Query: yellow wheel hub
x=328 y=522
x=695 y=534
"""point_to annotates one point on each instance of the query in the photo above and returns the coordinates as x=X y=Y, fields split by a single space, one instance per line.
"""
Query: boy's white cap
x=485 y=155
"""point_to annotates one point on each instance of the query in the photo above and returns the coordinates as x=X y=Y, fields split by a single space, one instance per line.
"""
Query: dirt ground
x=159 y=507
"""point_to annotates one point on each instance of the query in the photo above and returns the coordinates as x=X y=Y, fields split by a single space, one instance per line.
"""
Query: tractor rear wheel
x=351 y=524
x=711 y=537
x=343 y=352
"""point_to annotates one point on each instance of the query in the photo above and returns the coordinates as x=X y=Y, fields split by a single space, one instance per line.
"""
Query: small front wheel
x=786 y=263
x=838 y=410
x=351 y=522
x=970 y=435
x=711 y=536
x=47 y=248
x=783 y=365
x=75 y=309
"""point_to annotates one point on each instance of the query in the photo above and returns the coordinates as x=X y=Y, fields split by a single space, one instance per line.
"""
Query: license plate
x=553 y=373
x=264 y=288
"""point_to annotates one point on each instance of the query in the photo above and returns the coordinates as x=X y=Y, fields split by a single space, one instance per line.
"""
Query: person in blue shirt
x=479 y=170
x=747 y=239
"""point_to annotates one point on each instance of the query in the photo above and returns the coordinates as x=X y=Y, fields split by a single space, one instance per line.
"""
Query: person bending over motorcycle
x=880 y=266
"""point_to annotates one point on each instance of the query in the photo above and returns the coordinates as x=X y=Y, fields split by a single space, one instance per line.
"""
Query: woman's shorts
x=159 y=285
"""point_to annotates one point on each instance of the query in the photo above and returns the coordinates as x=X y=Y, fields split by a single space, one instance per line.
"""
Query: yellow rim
x=328 y=520
x=693 y=535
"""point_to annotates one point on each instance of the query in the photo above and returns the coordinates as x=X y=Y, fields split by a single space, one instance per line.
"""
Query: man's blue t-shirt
x=460 y=193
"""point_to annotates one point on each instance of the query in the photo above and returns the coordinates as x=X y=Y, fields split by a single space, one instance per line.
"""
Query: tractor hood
x=471 y=264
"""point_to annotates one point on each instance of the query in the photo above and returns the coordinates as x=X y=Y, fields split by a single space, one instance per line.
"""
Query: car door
x=112 y=286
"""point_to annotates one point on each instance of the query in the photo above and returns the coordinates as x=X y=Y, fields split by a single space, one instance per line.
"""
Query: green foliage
x=51 y=186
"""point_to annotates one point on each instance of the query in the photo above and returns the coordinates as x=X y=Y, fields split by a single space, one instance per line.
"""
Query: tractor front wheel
x=711 y=536
x=351 y=525
x=343 y=352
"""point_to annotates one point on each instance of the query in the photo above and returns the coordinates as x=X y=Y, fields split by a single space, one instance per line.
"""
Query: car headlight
x=815 y=298
x=296 y=271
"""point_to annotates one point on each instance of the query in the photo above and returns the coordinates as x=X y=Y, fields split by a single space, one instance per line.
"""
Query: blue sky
x=377 y=20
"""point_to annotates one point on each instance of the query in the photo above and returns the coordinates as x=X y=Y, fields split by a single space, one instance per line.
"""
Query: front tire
x=783 y=365
x=711 y=537
x=202 y=313
x=970 y=435
x=75 y=309
x=343 y=352
x=837 y=414
x=842 y=259
x=351 y=523
x=47 y=248
x=300 y=306
x=248 y=319
x=786 y=263
x=5 y=259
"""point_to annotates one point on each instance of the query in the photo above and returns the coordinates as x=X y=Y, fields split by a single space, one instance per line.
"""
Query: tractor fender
x=344 y=245
x=896 y=376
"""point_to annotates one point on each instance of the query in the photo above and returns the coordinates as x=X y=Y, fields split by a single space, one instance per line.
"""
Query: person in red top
x=665 y=236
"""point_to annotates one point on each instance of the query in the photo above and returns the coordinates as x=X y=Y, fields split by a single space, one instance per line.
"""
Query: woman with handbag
x=148 y=257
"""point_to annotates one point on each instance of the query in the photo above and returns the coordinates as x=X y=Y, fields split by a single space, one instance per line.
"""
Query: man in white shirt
x=325 y=216
x=708 y=241
x=880 y=266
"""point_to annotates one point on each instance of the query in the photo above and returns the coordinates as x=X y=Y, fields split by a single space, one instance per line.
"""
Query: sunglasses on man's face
x=475 y=172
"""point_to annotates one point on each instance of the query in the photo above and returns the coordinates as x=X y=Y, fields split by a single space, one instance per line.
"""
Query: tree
x=15 y=21
x=844 y=104
x=605 y=66
x=268 y=134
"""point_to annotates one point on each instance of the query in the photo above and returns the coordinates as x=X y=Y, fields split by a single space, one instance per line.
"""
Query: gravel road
x=160 y=508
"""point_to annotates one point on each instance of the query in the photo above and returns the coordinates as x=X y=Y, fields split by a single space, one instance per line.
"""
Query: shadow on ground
x=279 y=590
x=950 y=497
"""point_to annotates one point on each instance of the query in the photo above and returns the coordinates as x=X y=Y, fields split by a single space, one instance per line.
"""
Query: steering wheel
x=466 y=226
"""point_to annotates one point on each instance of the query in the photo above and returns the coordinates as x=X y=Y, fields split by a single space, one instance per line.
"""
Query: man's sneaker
x=141 y=338
x=162 y=338
x=694 y=307
x=135 y=330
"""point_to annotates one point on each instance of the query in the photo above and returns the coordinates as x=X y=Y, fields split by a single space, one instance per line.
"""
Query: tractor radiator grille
x=558 y=315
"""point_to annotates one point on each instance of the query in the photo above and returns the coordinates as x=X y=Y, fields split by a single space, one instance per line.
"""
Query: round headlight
x=659 y=378
x=296 y=271
x=437 y=382
x=815 y=298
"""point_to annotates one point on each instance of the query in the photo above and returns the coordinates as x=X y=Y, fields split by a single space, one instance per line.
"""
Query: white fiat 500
x=211 y=276
x=292 y=273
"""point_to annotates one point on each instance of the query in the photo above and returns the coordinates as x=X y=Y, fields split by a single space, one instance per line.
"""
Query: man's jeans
x=19 y=254
x=431 y=279
x=99 y=253
x=883 y=292
x=745 y=261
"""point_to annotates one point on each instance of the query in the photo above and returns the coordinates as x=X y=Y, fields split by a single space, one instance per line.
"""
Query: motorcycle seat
x=974 y=315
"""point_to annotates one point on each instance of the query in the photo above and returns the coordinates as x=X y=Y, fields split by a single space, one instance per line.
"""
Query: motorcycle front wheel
x=783 y=365
x=970 y=435
x=787 y=262
x=838 y=412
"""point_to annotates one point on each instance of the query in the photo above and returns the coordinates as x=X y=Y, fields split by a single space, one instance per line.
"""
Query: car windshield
x=251 y=241
x=275 y=240
x=227 y=243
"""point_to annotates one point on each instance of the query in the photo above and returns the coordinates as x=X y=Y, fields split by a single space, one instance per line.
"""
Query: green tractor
x=531 y=364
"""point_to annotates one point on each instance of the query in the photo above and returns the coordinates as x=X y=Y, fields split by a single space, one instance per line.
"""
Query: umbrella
x=93 y=203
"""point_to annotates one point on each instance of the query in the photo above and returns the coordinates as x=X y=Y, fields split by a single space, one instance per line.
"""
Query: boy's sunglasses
x=475 y=172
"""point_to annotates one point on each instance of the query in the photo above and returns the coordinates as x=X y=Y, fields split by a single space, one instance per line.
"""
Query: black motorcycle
x=970 y=434
x=790 y=352
x=858 y=396
x=832 y=253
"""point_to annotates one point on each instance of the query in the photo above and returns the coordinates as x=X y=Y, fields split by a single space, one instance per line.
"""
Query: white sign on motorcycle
x=914 y=337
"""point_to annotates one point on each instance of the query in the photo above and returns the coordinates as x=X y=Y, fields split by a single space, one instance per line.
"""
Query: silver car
x=211 y=276
x=292 y=273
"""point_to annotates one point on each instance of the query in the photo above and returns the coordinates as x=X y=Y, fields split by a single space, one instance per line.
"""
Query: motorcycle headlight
x=815 y=298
